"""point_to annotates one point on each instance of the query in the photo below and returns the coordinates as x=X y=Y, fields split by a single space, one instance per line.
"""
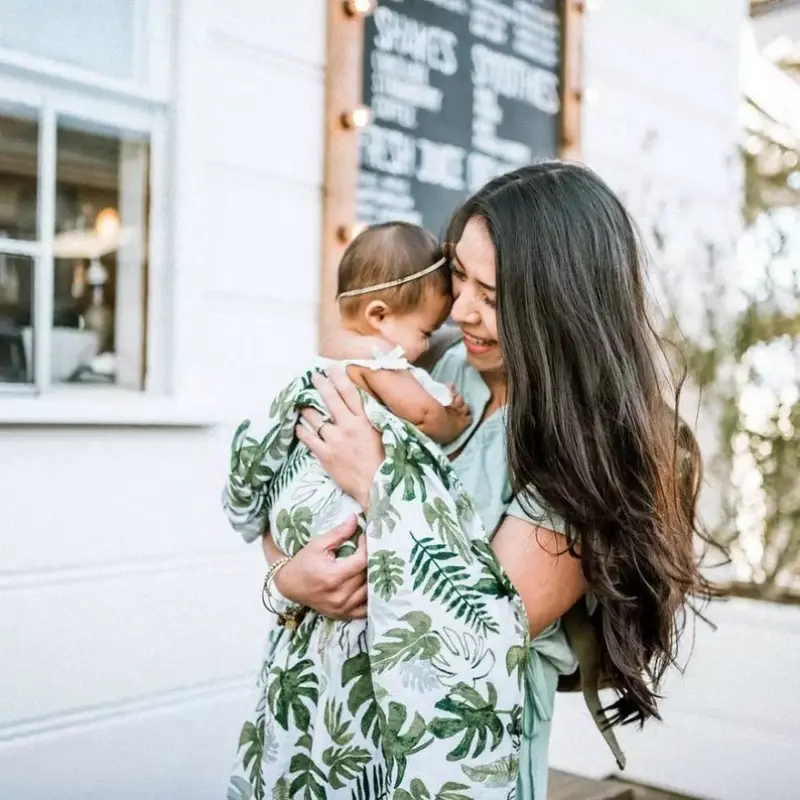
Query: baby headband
x=379 y=287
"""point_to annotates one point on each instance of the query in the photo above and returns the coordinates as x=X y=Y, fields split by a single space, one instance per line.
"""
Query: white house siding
x=663 y=130
x=130 y=617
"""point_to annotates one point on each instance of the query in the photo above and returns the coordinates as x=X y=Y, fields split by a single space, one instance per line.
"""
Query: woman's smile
x=478 y=346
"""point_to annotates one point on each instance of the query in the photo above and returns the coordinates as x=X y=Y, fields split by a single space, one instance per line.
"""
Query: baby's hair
x=388 y=252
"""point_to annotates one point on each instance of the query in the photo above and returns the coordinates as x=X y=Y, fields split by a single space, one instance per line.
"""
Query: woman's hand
x=333 y=587
x=345 y=443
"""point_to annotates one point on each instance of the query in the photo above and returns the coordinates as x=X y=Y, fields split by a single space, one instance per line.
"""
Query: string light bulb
x=359 y=8
x=346 y=233
x=357 y=118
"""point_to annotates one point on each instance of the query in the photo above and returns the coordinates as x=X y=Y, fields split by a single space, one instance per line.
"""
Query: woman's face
x=474 y=296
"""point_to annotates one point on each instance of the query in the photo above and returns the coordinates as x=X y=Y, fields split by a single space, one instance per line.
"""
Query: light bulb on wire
x=346 y=233
x=359 y=8
x=357 y=118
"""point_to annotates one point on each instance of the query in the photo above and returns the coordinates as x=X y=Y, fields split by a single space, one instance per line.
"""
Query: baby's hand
x=459 y=415
x=458 y=405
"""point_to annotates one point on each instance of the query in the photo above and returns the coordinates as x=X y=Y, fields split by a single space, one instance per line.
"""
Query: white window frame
x=52 y=90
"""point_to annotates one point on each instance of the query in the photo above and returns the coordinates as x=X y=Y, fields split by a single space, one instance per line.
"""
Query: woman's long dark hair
x=588 y=423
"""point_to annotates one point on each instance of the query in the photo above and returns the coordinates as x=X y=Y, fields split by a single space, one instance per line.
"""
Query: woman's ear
x=375 y=313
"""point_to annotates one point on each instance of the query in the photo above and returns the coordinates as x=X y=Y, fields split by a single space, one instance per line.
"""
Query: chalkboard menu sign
x=461 y=91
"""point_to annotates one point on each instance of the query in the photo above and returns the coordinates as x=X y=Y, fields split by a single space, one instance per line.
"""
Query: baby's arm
x=400 y=392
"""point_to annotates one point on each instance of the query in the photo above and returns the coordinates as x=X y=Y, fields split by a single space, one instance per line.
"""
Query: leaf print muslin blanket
x=424 y=699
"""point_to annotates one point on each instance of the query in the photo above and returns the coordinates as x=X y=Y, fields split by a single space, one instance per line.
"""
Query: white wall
x=130 y=616
x=663 y=130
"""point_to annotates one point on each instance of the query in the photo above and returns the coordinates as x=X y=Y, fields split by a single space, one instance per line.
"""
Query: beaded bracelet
x=266 y=593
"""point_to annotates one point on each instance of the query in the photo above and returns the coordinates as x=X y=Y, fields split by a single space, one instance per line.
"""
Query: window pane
x=16 y=318
x=98 y=35
x=19 y=151
x=100 y=255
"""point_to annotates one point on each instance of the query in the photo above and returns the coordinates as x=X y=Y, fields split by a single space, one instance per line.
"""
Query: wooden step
x=563 y=786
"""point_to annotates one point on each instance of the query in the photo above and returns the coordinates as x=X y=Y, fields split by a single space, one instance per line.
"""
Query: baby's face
x=413 y=330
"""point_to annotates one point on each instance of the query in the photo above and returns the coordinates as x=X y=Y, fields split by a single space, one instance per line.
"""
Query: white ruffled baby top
x=396 y=360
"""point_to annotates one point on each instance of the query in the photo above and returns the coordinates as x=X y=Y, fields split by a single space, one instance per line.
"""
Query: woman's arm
x=316 y=578
x=271 y=551
x=549 y=580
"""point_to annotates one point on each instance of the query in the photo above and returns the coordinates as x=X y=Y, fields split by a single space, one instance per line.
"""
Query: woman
x=572 y=456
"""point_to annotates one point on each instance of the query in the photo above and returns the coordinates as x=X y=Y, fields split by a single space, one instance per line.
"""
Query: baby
x=335 y=698
x=394 y=284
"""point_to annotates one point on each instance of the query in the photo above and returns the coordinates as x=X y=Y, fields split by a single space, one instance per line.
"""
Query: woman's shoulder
x=529 y=506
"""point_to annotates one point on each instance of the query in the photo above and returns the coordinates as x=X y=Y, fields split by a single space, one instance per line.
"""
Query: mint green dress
x=483 y=468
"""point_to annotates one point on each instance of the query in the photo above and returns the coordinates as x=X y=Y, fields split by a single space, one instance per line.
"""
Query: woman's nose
x=464 y=310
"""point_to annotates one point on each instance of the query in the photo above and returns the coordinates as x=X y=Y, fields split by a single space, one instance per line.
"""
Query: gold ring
x=321 y=426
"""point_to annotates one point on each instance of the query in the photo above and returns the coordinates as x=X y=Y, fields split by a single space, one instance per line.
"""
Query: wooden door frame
x=343 y=81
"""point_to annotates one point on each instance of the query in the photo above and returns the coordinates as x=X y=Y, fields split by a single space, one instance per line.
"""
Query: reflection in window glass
x=19 y=153
x=98 y=35
x=100 y=254
x=16 y=318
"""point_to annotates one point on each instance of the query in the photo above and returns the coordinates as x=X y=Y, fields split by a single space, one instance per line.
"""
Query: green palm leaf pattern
x=473 y=717
x=338 y=729
x=280 y=791
x=239 y=789
x=404 y=470
x=494 y=581
x=464 y=508
x=398 y=744
x=450 y=790
x=297 y=458
x=372 y=784
x=357 y=670
x=383 y=514
x=293 y=526
x=406 y=644
x=385 y=571
x=252 y=748
x=344 y=764
x=438 y=516
x=293 y=690
x=439 y=572
x=425 y=701
x=300 y=642
x=284 y=400
x=309 y=781
x=495 y=774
